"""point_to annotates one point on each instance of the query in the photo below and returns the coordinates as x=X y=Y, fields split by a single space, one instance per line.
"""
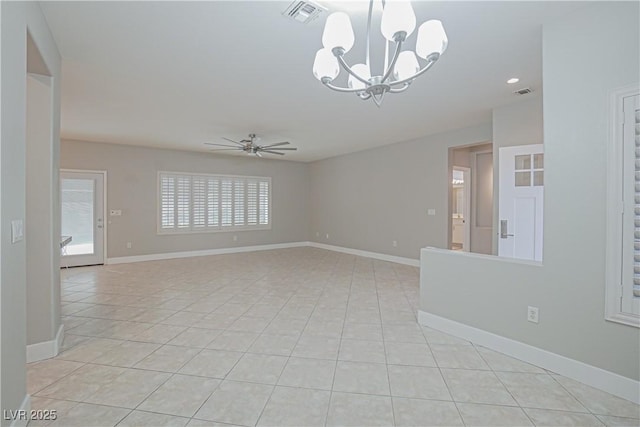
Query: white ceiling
x=178 y=74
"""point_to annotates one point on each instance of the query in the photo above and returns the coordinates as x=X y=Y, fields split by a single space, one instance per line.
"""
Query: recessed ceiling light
x=513 y=80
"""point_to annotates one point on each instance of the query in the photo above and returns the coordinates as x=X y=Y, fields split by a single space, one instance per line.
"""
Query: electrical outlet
x=128 y=245
x=317 y=234
x=327 y=236
x=532 y=314
x=395 y=243
x=235 y=238
x=431 y=212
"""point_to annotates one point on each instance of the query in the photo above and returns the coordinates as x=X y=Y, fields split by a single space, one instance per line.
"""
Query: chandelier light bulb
x=338 y=32
x=406 y=66
x=431 y=39
x=397 y=16
x=325 y=65
x=363 y=71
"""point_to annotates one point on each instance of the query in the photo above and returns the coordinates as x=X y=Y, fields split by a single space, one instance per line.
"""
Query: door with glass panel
x=82 y=203
x=520 y=201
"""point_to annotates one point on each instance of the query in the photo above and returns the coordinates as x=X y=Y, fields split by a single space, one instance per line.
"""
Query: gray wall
x=366 y=200
x=132 y=187
x=493 y=294
x=16 y=19
x=520 y=123
x=42 y=213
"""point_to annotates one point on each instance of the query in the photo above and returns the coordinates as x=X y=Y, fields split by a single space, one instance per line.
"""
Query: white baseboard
x=21 y=417
x=367 y=254
x=205 y=252
x=47 y=349
x=610 y=382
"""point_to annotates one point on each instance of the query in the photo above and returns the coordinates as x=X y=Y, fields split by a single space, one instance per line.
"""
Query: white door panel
x=520 y=205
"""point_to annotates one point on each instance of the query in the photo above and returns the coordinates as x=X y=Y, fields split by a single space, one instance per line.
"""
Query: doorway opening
x=460 y=216
x=470 y=187
x=82 y=217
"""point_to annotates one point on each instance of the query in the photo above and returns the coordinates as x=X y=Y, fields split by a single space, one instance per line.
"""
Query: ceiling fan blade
x=222 y=145
x=225 y=149
x=231 y=140
x=285 y=148
x=275 y=145
x=272 y=152
x=258 y=154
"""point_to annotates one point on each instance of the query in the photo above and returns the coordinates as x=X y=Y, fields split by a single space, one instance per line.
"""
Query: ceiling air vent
x=303 y=11
x=523 y=91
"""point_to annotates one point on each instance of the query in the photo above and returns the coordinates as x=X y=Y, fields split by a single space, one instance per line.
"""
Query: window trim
x=220 y=229
x=613 y=255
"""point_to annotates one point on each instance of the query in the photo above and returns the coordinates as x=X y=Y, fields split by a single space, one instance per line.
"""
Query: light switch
x=115 y=212
x=431 y=212
x=17 y=231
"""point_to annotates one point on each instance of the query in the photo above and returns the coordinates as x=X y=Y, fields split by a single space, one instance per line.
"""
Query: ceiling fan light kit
x=250 y=147
x=397 y=23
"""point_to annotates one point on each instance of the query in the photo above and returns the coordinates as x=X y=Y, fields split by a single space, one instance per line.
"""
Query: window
x=190 y=203
x=623 y=216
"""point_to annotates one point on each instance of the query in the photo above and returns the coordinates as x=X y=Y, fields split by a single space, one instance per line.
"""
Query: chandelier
x=397 y=23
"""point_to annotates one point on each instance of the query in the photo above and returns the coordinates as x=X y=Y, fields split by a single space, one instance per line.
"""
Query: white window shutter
x=238 y=202
x=226 y=194
x=183 y=201
x=213 y=202
x=199 y=195
x=636 y=207
x=197 y=203
x=252 y=202
x=263 y=204
x=630 y=302
x=167 y=202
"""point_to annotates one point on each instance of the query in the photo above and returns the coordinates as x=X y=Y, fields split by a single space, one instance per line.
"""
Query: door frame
x=474 y=191
x=104 y=205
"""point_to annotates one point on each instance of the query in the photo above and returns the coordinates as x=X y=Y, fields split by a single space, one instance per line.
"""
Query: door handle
x=100 y=226
x=503 y=229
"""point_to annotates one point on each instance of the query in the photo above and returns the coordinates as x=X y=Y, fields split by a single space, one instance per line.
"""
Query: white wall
x=132 y=188
x=366 y=200
x=16 y=18
x=493 y=294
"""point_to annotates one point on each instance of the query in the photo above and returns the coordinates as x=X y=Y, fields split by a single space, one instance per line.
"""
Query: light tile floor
x=295 y=337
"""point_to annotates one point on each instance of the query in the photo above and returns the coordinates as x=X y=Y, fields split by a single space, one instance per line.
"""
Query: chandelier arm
x=432 y=60
x=400 y=89
x=348 y=69
x=367 y=57
x=396 y=54
x=339 y=89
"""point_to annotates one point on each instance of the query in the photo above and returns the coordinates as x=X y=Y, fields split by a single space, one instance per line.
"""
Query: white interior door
x=82 y=203
x=520 y=205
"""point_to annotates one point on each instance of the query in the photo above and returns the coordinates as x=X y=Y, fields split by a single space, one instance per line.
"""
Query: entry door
x=521 y=194
x=82 y=202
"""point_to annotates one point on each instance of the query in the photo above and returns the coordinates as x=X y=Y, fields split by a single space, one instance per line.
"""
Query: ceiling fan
x=249 y=146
